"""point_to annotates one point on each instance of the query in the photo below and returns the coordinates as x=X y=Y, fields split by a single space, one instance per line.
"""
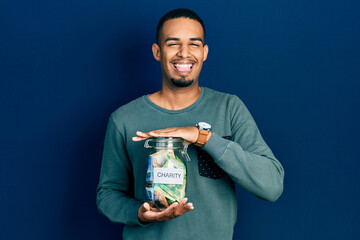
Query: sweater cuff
x=133 y=216
x=216 y=146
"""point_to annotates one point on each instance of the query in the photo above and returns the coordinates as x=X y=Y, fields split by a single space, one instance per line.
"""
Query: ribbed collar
x=202 y=94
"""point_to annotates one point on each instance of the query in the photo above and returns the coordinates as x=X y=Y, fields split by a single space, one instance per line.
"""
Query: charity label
x=168 y=175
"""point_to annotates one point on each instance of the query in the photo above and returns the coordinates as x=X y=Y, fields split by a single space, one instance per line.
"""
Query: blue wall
x=66 y=65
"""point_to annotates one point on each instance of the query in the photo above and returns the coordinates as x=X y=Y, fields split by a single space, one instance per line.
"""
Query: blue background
x=66 y=65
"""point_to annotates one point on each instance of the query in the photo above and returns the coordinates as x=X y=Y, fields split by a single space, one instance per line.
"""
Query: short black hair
x=178 y=13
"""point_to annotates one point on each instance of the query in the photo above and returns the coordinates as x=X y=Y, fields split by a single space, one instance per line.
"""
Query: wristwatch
x=204 y=130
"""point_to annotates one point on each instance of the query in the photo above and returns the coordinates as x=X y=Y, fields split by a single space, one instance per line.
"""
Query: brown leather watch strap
x=203 y=134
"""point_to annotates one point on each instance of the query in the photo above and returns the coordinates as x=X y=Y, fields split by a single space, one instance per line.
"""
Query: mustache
x=183 y=60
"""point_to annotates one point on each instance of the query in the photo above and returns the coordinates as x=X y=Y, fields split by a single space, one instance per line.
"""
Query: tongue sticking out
x=183 y=68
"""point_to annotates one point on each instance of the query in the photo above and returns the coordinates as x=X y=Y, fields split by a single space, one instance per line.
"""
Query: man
x=225 y=146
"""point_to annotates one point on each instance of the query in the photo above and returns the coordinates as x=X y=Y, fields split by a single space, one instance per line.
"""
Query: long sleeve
x=247 y=159
x=114 y=193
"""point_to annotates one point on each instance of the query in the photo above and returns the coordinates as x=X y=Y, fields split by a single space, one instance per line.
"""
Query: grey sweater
x=245 y=160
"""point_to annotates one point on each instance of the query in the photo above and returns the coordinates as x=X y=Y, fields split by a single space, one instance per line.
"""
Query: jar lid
x=165 y=143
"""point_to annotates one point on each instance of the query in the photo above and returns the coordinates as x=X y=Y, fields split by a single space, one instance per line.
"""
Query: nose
x=184 y=51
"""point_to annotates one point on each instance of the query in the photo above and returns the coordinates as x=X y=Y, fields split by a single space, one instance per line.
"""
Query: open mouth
x=183 y=68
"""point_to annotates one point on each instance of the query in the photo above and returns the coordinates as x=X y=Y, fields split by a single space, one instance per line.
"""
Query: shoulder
x=222 y=98
x=128 y=111
x=231 y=104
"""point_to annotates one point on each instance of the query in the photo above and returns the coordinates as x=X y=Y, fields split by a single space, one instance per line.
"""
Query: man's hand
x=148 y=214
x=189 y=134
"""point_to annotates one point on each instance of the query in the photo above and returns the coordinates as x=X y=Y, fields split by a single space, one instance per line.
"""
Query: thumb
x=146 y=207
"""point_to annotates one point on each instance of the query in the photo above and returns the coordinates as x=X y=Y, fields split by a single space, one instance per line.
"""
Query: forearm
x=117 y=206
x=114 y=193
x=260 y=174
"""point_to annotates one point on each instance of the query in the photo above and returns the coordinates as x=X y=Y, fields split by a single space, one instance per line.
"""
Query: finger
x=180 y=209
x=142 y=134
x=168 y=213
x=184 y=207
x=189 y=206
x=142 y=213
x=183 y=201
x=146 y=207
x=136 y=139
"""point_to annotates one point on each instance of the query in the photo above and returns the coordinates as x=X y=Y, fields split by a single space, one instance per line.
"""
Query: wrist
x=204 y=133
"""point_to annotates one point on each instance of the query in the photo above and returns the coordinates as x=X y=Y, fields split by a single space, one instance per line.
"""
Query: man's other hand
x=148 y=214
x=189 y=134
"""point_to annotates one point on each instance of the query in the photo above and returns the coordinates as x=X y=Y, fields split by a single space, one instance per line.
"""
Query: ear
x=206 y=51
x=156 y=51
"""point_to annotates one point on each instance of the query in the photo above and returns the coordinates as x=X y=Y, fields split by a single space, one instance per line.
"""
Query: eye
x=195 y=44
x=173 y=44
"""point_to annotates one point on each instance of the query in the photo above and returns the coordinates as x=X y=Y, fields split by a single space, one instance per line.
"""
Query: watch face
x=204 y=126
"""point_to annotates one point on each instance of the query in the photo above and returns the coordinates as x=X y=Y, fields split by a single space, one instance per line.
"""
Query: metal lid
x=165 y=143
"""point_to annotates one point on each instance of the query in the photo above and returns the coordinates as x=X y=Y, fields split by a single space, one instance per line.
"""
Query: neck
x=175 y=98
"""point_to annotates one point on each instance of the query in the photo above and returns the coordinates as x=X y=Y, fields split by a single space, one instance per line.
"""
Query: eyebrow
x=178 y=39
x=196 y=39
x=172 y=39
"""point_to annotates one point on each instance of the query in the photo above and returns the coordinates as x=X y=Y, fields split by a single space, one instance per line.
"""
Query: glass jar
x=166 y=172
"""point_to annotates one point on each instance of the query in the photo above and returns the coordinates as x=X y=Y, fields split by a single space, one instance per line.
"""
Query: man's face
x=181 y=51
